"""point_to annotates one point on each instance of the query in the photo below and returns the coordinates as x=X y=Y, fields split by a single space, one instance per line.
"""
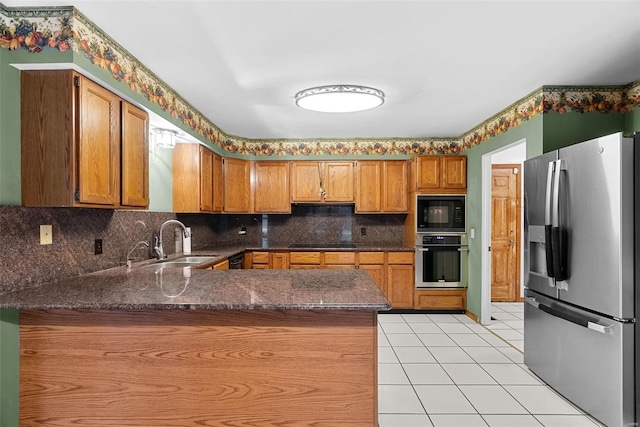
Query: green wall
x=531 y=131
x=9 y=368
x=632 y=121
x=561 y=130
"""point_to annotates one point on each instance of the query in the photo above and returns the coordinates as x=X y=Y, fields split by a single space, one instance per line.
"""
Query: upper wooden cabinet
x=193 y=178
x=237 y=185
x=381 y=186
x=272 y=189
x=135 y=156
x=337 y=181
x=218 y=184
x=72 y=137
x=441 y=172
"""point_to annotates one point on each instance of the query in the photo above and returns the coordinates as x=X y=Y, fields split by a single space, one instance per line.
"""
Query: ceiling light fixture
x=165 y=138
x=339 y=98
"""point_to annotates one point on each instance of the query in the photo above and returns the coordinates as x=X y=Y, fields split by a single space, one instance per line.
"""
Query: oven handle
x=445 y=247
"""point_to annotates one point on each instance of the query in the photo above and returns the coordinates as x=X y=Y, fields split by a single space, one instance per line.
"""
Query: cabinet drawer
x=371 y=258
x=400 y=257
x=444 y=299
x=340 y=267
x=304 y=258
x=340 y=258
x=261 y=257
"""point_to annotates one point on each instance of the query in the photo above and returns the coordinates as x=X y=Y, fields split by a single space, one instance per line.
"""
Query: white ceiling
x=445 y=66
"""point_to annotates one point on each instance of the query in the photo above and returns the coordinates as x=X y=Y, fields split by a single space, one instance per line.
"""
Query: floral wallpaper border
x=60 y=29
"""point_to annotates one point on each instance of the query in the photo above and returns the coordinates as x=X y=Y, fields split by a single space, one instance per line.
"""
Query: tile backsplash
x=24 y=262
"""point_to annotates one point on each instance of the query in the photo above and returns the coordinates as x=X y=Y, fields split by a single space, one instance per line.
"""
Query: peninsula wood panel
x=198 y=367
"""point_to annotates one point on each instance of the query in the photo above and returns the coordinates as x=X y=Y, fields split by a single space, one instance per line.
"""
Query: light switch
x=46 y=234
x=472 y=233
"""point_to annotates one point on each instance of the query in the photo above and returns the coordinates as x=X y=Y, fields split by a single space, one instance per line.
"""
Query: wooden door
x=206 y=180
x=218 y=184
x=428 y=172
x=454 y=172
x=305 y=181
x=338 y=181
x=98 y=144
x=272 y=191
x=368 y=184
x=505 y=226
x=400 y=285
x=237 y=176
x=186 y=178
x=395 y=196
x=135 y=156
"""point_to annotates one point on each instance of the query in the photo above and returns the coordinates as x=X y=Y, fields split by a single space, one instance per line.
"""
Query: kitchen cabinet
x=337 y=180
x=279 y=260
x=305 y=260
x=237 y=181
x=259 y=260
x=218 y=184
x=193 y=178
x=79 y=141
x=340 y=260
x=272 y=190
x=440 y=172
x=373 y=263
x=400 y=279
x=224 y=265
x=440 y=299
x=135 y=156
x=382 y=187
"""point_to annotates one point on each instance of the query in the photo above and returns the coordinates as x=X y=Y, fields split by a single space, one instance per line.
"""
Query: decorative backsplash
x=63 y=29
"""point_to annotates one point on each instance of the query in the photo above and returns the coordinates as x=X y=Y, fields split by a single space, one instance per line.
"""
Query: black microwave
x=440 y=213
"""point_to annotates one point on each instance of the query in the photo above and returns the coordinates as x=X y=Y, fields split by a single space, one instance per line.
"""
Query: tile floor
x=445 y=370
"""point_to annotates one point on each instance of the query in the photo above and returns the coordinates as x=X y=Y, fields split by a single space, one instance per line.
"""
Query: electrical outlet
x=98 y=247
x=363 y=231
x=46 y=234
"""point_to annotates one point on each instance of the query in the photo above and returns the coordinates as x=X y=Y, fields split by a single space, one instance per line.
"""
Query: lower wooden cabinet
x=400 y=285
x=440 y=299
x=279 y=260
x=224 y=265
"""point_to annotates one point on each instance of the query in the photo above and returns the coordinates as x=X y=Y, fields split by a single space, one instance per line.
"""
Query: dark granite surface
x=142 y=287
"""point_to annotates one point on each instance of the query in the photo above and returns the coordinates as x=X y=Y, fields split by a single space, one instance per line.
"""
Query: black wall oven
x=440 y=213
x=440 y=260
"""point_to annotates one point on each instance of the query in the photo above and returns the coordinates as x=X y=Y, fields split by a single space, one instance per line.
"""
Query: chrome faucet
x=157 y=247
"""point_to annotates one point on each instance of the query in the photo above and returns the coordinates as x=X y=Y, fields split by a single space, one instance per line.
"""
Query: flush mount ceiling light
x=339 y=98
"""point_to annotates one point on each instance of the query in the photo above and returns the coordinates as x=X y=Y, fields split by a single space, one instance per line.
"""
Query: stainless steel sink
x=185 y=261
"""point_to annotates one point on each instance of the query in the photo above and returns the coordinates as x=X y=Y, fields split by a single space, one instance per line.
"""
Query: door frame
x=485 y=238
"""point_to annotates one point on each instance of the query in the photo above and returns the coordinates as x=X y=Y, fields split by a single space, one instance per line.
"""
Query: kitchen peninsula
x=191 y=347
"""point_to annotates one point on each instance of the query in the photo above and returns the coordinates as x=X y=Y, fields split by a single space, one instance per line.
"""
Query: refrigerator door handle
x=558 y=244
x=573 y=318
x=548 y=249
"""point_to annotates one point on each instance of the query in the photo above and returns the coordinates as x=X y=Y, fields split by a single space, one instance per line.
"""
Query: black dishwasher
x=236 y=261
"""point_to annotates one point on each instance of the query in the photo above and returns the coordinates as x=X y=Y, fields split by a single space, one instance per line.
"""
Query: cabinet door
x=400 y=285
x=135 y=156
x=279 y=260
x=428 y=172
x=186 y=178
x=206 y=180
x=98 y=145
x=237 y=176
x=272 y=192
x=338 y=181
x=377 y=274
x=395 y=196
x=454 y=172
x=368 y=185
x=218 y=184
x=305 y=181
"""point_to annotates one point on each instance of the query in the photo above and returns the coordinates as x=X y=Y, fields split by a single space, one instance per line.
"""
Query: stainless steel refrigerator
x=581 y=261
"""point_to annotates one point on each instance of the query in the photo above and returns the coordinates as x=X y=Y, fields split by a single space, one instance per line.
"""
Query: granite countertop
x=143 y=287
x=360 y=247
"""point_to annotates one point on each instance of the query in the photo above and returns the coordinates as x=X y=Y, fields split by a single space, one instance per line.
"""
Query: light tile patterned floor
x=446 y=370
